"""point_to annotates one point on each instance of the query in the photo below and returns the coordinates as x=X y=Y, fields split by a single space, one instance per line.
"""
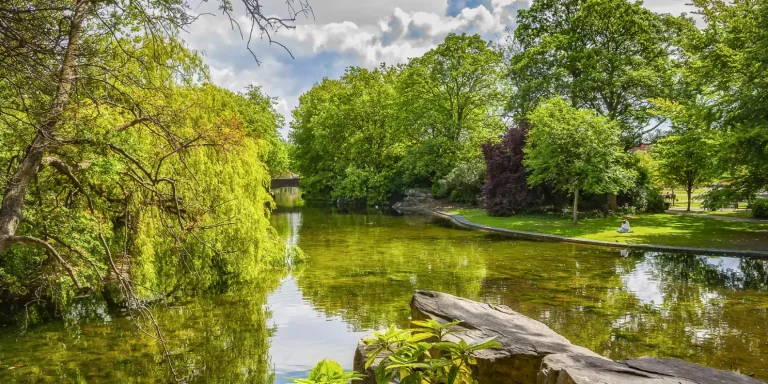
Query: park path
x=716 y=217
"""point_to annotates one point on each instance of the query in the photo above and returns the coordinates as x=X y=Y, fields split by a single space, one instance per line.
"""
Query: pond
x=360 y=273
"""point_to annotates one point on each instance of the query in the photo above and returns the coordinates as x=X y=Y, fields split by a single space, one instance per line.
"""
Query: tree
x=506 y=192
x=575 y=150
x=449 y=102
x=731 y=60
x=346 y=141
x=688 y=159
x=123 y=168
x=94 y=125
x=268 y=121
x=611 y=56
x=688 y=156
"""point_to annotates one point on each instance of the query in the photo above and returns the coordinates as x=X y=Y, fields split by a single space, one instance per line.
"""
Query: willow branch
x=51 y=251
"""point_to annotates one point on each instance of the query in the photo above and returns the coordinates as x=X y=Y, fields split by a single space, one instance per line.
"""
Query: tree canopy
x=373 y=133
x=123 y=166
x=729 y=59
x=449 y=102
x=575 y=150
x=611 y=56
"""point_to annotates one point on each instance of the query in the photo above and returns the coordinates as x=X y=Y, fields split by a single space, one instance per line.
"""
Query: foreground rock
x=575 y=369
x=525 y=342
x=531 y=353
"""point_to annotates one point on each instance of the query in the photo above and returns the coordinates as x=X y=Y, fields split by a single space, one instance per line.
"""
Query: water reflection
x=221 y=339
x=641 y=282
x=360 y=273
x=304 y=335
x=363 y=269
x=289 y=197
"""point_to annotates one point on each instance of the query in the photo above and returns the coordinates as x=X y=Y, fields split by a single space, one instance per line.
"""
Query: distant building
x=642 y=148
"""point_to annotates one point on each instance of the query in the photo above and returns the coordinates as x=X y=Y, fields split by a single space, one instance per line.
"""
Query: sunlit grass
x=662 y=229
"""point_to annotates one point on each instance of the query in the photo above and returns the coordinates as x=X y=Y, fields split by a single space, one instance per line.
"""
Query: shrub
x=419 y=355
x=506 y=191
x=646 y=198
x=329 y=372
x=464 y=183
x=760 y=209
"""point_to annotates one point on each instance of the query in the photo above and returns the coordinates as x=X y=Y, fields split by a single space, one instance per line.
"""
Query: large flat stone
x=694 y=372
x=525 y=341
x=533 y=353
x=575 y=369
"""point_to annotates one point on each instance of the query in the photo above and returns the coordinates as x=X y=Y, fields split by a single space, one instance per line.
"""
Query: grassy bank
x=662 y=229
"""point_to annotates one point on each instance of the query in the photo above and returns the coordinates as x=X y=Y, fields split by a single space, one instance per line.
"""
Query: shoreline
x=464 y=223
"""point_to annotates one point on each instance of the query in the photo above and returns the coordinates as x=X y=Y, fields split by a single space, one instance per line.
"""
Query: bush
x=464 y=183
x=329 y=372
x=648 y=199
x=420 y=355
x=506 y=191
x=760 y=209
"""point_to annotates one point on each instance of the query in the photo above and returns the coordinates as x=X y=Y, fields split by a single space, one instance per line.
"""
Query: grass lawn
x=661 y=229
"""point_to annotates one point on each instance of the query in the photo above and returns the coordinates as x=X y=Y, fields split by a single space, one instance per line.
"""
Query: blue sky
x=345 y=33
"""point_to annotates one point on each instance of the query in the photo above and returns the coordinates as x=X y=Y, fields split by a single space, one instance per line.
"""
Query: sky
x=346 y=33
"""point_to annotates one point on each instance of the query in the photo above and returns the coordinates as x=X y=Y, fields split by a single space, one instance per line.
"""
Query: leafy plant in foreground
x=329 y=372
x=421 y=355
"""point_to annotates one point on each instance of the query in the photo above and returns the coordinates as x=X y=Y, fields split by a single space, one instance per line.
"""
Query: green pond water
x=359 y=276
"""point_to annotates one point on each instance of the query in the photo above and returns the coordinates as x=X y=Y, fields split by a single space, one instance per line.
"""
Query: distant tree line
x=645 y=78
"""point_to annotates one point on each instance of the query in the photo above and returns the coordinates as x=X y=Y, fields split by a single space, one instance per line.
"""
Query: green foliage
x=423 y=354
x=760 y=209
x=373 y=133
x=295 y=255
x=611 y=56
x=575 y=150
x=644 y=195
x=729 y=60
x=448 y=99
x=688 y=157
x=464 y=183
x=263 y=117
x=329 y=372
x=419 y=355
x=180 y=198
x=720 y=197
x=346 y=141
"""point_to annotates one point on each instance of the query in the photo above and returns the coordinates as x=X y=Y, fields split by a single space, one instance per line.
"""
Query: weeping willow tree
x=122 y=166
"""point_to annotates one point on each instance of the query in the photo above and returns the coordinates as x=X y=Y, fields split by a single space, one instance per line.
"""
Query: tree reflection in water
x=360 y=273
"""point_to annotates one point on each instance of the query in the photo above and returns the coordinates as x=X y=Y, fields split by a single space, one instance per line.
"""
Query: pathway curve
x=463 y=222
x=717 y=217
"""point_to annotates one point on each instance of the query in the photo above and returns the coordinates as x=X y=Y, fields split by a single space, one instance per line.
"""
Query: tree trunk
x=16 y=189
x=690 y=192
x=575 y=205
